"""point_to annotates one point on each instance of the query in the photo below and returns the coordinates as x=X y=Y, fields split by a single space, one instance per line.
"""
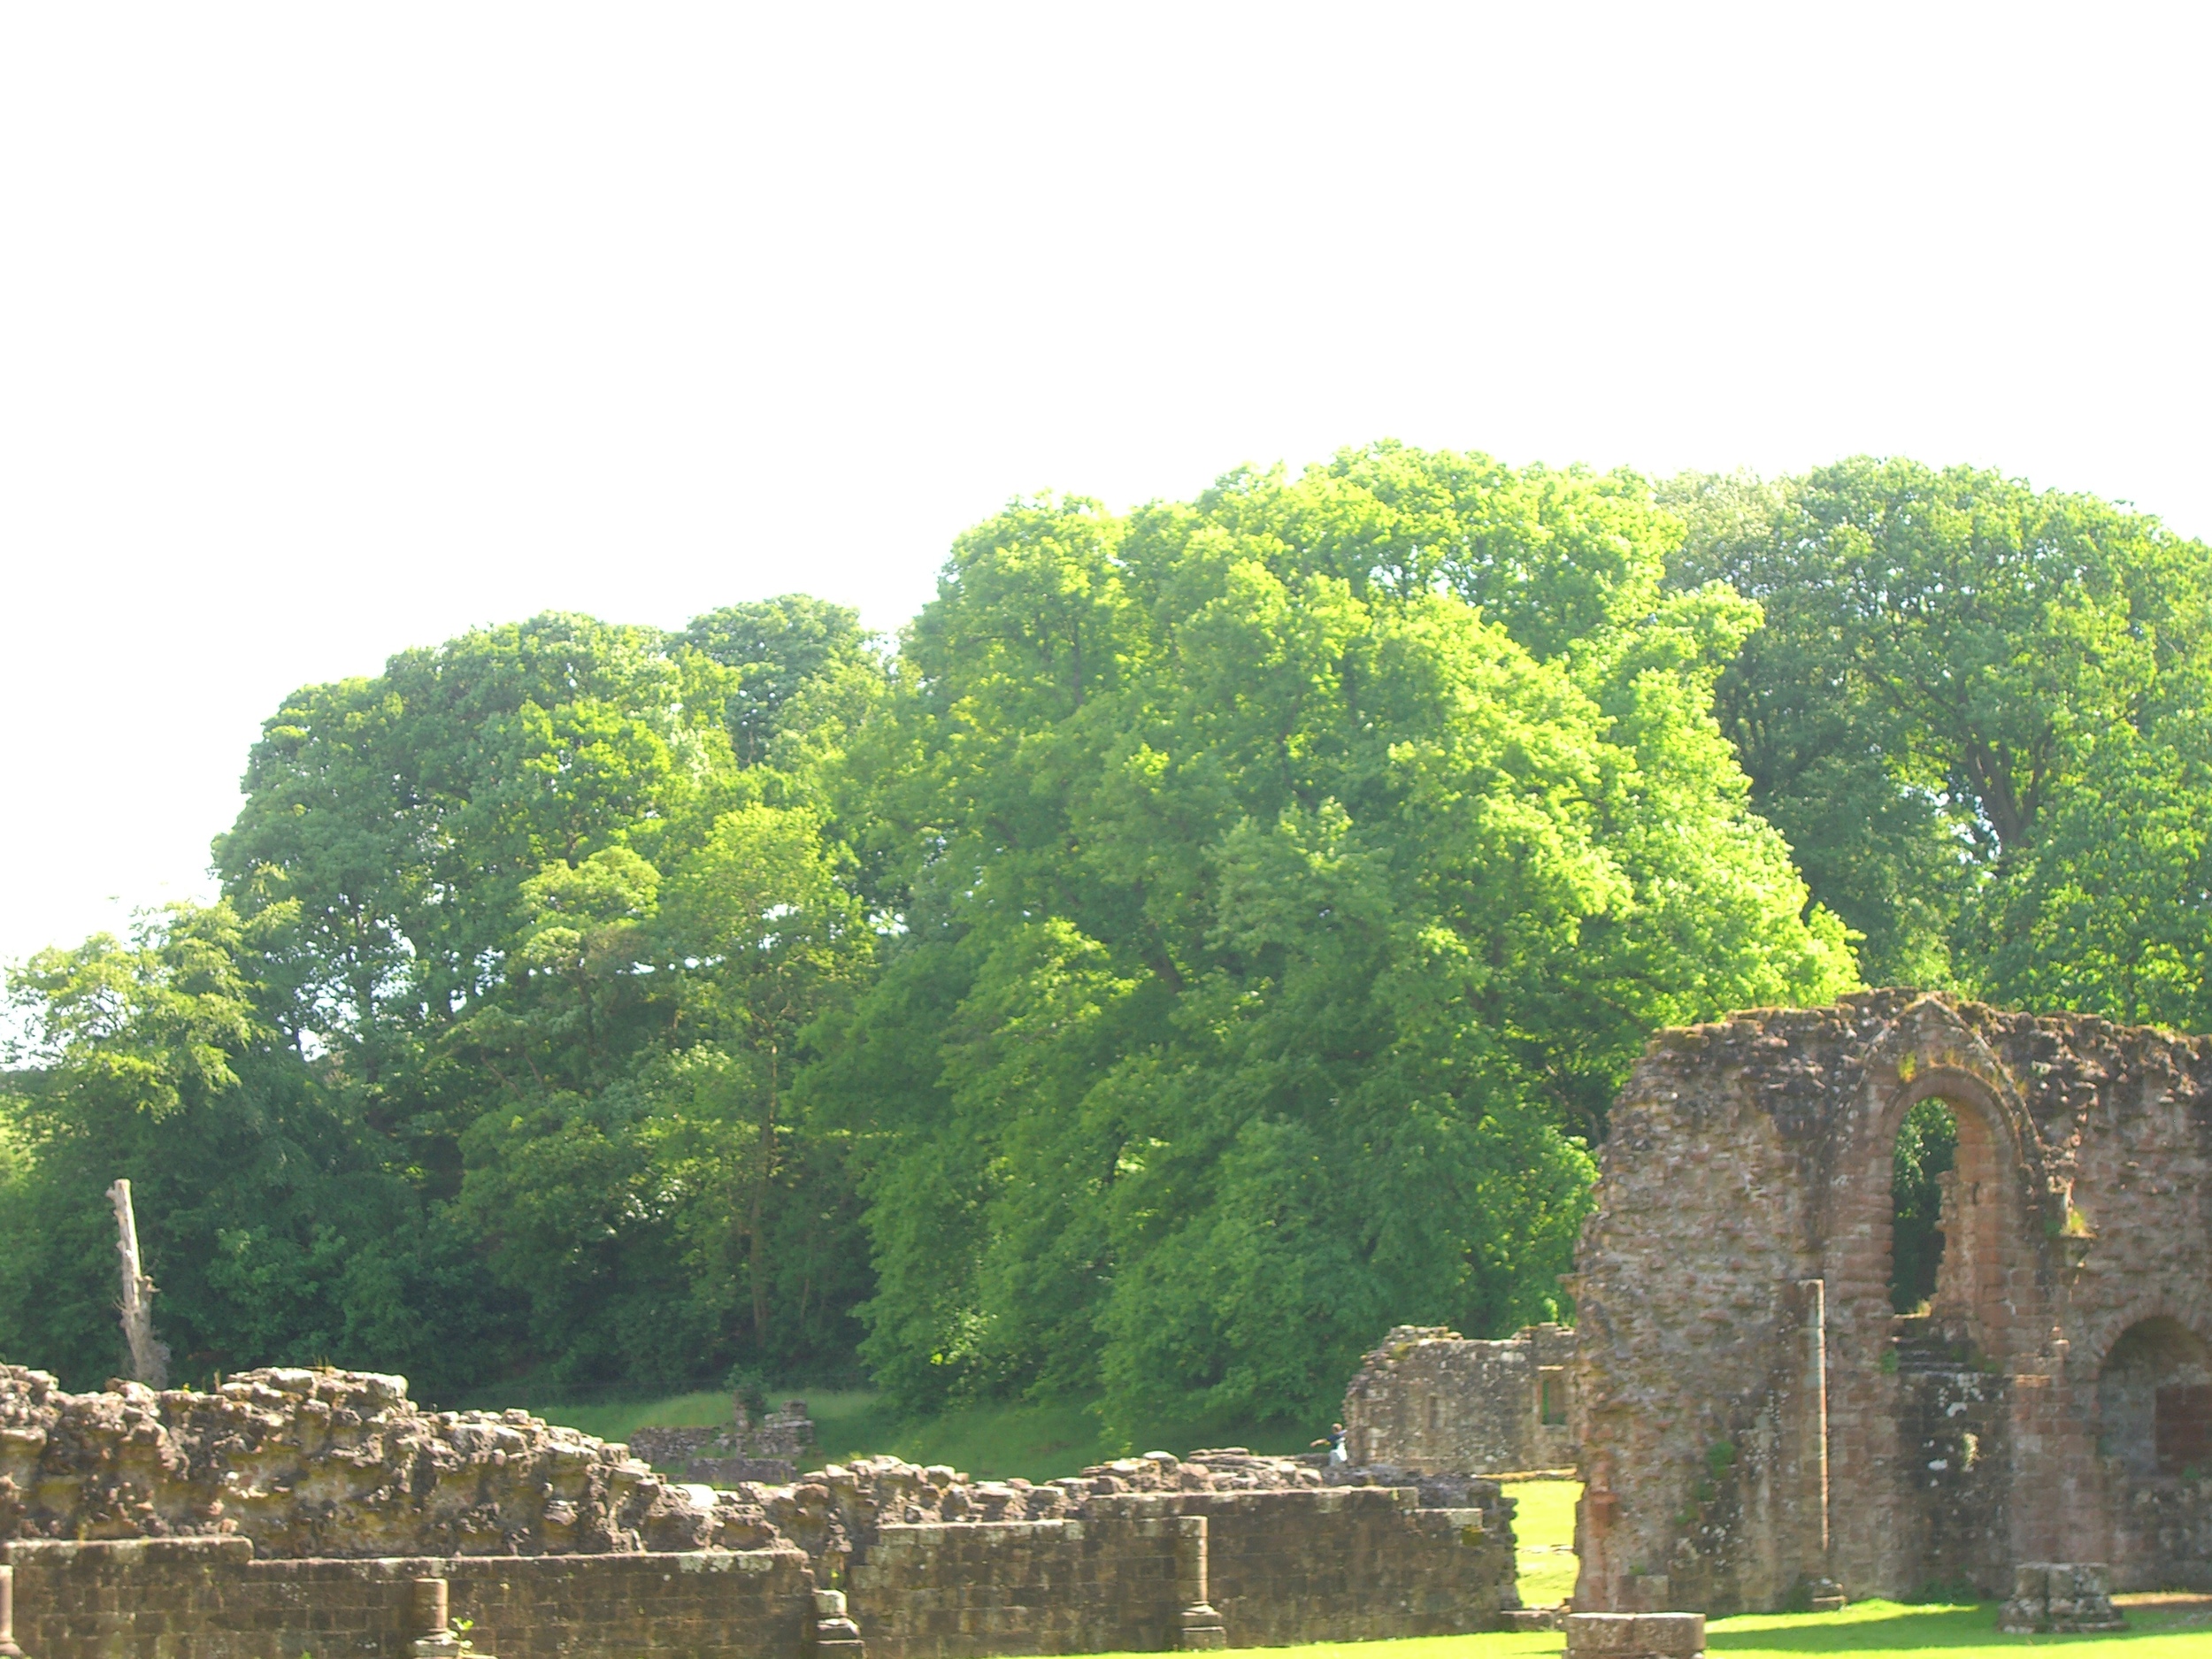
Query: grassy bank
x=1041 y=1443
x=1045 y=1443
x=1871 y=1629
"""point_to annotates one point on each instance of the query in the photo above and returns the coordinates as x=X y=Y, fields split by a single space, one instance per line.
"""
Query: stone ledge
x=1635 y=1635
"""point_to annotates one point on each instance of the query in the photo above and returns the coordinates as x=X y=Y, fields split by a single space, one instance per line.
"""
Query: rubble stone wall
x=1346 y=1563
x=284 y=1514
x=959 y=1589
x=1354 y=1564
x=210 y=1598
x=333 y=1463
x=1432 y=1401
x=1753 y=1417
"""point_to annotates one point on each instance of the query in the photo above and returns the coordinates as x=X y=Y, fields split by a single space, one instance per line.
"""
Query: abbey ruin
x=1430 y=1401
x=1757 y=1424
x=1753 y=1417
x=294 y=1511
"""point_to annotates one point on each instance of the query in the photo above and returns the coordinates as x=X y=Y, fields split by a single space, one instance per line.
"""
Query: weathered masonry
x=1753 y=1414
x=317 y=1512
x=1142 y=1571
x=1432 y=1402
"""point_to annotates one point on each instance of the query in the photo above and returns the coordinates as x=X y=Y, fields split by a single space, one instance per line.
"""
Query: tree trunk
x=149 y=1358
x=759 y=1264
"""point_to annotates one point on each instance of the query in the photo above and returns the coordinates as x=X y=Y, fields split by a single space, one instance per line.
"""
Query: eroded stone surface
x=331 y=1464
x=1429 y=1399
x=326 y=1464
x=2063 y=1597
x=2054 y=1401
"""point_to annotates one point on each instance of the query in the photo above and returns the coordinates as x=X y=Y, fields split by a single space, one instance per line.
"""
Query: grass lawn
x=1870 y=1630
x=1874 y=1628
x=1544 y=1539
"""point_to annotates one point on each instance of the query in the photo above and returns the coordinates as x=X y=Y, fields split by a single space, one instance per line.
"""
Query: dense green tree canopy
x=1214 y=936
x=1288 y=881
x=1978 y=713
x=517 y=951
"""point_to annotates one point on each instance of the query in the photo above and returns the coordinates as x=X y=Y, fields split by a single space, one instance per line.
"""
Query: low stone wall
x=1347 y=1564
x=1132 y=1573
x=1429 y=1401
x=958 y=1589
x=1354 y=1564
x=210 y=1598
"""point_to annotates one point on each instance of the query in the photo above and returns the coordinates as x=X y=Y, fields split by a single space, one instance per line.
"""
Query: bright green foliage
x=1976 y=712
x=1279 y=923
x=1927 y=1145
x=798 y=668
x=268 y=1219
x=2110 y=908
x=494 y=1073
x=1216 y=938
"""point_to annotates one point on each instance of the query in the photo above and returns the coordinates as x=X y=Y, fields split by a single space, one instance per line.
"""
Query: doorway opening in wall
x=1927 y=1145
x=2155 y=1401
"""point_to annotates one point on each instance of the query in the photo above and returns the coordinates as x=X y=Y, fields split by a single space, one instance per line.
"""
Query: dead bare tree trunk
x=149 y=1358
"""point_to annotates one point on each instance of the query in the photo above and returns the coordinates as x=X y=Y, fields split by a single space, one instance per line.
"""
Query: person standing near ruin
x=1334 y=1442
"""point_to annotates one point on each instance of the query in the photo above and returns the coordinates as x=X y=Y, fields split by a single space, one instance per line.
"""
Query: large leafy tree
x=273 y=1226
x=460 y=868
x=1215 y=937
x=1975 y=711
x=1288 y=880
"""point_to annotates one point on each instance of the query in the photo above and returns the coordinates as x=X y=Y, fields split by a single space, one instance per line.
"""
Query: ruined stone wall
x=773 y=1450
x=325 y=1463
x=1752 y=1415
x=261 y=1521
x=1355 y=1563
x=210 y=1598
x=1346 y=1563
x=959 y=1589
x=1284 y=1565
x=1430 y=1400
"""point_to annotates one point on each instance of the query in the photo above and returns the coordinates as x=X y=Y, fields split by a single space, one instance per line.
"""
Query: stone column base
x=8 y=1649
x=834 y=1635
x=1635 y=1635
x=2061 y=1595
x=1200 y=1630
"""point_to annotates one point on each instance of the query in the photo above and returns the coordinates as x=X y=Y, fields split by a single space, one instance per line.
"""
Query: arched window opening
x=2155 y=1401
x=1927 y=1145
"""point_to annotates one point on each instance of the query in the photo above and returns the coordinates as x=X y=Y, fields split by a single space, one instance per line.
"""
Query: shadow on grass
x=1889 y=1626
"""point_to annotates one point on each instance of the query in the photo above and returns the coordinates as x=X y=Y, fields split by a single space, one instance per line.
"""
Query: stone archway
x=1741 y=1381
x=1987 y=1254
x=2154 y=1423
x=1923 y=1406
x=2154 y=1401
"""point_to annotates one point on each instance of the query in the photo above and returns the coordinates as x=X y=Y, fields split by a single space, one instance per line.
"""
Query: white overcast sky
x=327 y=330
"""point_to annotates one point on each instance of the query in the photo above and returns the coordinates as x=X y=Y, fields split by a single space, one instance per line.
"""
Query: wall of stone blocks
x=1347 y=1564
x=1282 y=1566
x=1430 y=1400
x=956 y=1590
x=1354 y=1564
x=1752 y=1413
x=209 y=1599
